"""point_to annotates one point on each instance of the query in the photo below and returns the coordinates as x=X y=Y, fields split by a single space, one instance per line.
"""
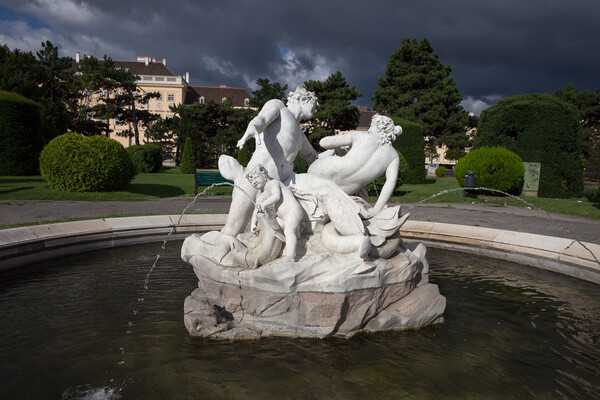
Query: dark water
x=77 y=328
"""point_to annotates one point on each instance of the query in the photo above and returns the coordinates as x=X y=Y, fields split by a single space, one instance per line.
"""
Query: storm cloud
x=495 y=48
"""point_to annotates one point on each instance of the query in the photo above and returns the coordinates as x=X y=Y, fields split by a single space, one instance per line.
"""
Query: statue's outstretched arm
x=332 y=142
x=391 y=174
x=268 y=114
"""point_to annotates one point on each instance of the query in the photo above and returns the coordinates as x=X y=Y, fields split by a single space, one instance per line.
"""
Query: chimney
x=187 y=77
x=153 y=59
x=222 y=85
x=164 y=61
x=77 y=57
x=147 y=61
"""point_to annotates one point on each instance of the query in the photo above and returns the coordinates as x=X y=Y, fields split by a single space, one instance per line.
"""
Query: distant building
x=240 y=98
x=174 y=90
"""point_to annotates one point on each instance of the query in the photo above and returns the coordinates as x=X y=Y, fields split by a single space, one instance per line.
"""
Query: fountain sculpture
x=306 y=255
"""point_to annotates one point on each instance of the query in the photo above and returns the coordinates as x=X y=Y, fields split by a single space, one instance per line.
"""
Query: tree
x=19 y=73
x=412 y=146
x=188 y=161
x=588 y=108
x=267 y=92
x=53 y=76
x=538 y=128
x=214 y=129
x=418 y=87
x=334 y=112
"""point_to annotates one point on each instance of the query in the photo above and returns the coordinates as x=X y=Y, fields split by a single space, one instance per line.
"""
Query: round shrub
x=147 y=157
x=74 y=163
x=496 y=167
x=374 y=188
x=20 y=135
x=440 y=172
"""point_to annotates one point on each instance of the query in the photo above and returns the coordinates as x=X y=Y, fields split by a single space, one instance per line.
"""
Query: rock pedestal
x=317 y=296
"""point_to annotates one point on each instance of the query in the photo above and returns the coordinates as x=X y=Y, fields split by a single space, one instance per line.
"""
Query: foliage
x=412 y=146
x=440 y=172
x=300 y=166
x=496 y=168
x=244 y=155
x=539 y=128
x=588 y=108
x=267 y=92
x=374 y=187
x=214 y=129
x=418 y=87
x=147 y=158
x=73 y=163
x=188 y=161
x=334 y=112
x=20 y=135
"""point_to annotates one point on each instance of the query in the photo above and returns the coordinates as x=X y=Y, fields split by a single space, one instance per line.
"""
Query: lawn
x=169 y=182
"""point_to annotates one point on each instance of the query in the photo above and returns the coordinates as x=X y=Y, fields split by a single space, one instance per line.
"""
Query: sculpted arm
x=273 y=192
x=268 y=114
x=391 y=174
x=332 y=142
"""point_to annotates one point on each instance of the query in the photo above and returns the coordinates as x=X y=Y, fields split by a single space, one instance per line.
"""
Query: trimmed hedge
x=496 y=168
x=20 y=135
x=374 y=188
x=188 y=161
x=539 y=128
x=147 y=157
x=412 y=146
x=74 y=163
x=440 y=172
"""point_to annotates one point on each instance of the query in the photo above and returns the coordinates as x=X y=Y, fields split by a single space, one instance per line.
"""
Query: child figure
x=272 y=192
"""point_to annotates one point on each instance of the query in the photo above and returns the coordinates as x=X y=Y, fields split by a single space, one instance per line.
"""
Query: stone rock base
x=313 y=297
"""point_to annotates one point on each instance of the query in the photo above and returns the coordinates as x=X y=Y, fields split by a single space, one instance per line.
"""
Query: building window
x=104 y=95
x=171 y=97
x=159 y=98
x=201 y=100
x=158 y=106
x=246 y=102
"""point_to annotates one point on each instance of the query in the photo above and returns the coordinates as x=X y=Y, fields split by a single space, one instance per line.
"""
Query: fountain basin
x=21 y=246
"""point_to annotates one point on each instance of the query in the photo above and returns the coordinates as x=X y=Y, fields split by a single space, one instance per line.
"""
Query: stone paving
x=481 y=215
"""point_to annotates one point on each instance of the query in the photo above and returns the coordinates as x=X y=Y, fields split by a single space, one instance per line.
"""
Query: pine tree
x=188 y=161
x=418 y=87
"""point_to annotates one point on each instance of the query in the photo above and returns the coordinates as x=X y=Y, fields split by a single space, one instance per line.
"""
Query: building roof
x=365 y=119
x=137 y=67
x=236 y=95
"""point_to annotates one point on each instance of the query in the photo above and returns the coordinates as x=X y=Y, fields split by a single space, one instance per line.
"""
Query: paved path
x=489 y=216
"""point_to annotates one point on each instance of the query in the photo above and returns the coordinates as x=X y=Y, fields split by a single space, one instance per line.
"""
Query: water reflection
x=509 y=332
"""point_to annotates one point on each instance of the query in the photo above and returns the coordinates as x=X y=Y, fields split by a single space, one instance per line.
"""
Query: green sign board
x=531 y=180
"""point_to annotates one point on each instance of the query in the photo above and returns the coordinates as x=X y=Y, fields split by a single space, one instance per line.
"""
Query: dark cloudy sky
x=496 y=48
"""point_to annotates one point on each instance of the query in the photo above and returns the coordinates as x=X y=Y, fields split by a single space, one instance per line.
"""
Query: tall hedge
x=147 y=157
x=20 y=135
x=188 y=161
x=539 y=128
x=411 y=145
x=74 y=163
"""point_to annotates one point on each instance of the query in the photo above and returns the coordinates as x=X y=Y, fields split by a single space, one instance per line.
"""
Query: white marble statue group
x=327 y=204
x=305 y=255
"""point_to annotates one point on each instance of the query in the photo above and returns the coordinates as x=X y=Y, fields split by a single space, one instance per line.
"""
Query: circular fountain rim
x=26 y=245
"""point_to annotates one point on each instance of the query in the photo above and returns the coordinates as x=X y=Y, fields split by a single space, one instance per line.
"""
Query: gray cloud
x=496 y=49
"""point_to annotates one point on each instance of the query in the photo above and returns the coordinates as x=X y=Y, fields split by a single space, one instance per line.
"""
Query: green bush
x=539 y=128
x=300 y=166
x=374 y=188
x=20 y=135
x=147 y=157
x=496 y=168
x=243 y=156
x=411 y=145
x=188 y=161
x=440 y=172
x=74 y=163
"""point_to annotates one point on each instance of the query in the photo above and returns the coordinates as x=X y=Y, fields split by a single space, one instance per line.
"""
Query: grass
x=169 y=182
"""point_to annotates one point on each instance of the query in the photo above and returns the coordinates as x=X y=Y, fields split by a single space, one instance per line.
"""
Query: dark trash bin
x=470 y=181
